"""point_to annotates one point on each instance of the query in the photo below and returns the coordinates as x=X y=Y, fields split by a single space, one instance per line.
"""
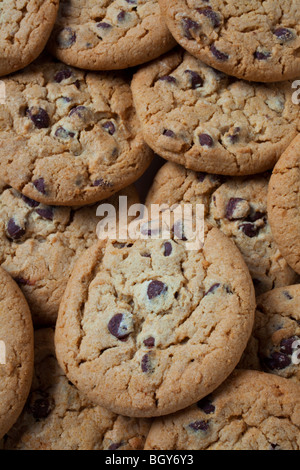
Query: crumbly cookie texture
x=275 y=343
x=58 y=417
x=144 y=318
x=207 y=121
x=250 y=411
x=284 y=204
x=16 y=346
x=255 y=40
x=69 y=137
x=40 y=244
x=109 y=34
x=238 y=207
x=25 y=27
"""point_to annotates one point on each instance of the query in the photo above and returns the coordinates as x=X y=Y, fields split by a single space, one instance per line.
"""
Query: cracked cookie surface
x=238 y=207
x=25 y=26
x=254 y=40
x=58 y=417
x=109 y=34
x=275 y=342
x=16 y=346
x=141 y=318
x=40 y=244
x=207 y=121
x=284 y=204
x=250 y=411
x=69 y=137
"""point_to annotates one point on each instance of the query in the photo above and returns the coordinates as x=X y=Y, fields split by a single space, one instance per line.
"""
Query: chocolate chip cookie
x=58 y=417
x=68 y=137
x=16 y=352
x=109 y=34
x=255 y=40
x=238 y=207
x=25 y=29
x=207 y=121
x=275 y=342
x=155 y=325
x=284 y=204
x=250 y=411
x=39 y=245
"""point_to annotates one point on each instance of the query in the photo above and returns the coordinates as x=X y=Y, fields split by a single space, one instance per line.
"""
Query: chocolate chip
x=168 y=249
x=206 y=406
x=149 y=342
x=288 y=295
x=211 y=14
x=30 y=202
x=250 y=230
x=284 y=34
x=62 y=75
x=121 y=16
x=63 y=133
x=231 y=207
x=199 y=426
x=155 y=289
x=41 y=408
x=206 y=140
x=39 y=117
x=109 y=127
x=168 y=133
x=234 y=136
x=168 y=78
x=212 y=289
x=274 y=446
x=79 y=111
x=117 y=327
x=262 y=55
x=196 y=80
x=14 y=231
x=286 y=345
x=66 y=38
x=218 y=54
x=201 y=177
x=39 y=184
x=115 y=446
x=104 y=25
x=45 y=213
x=189 y=25
x=256 y=215
x=102 y=183
x=277 y=361
x=146 y=364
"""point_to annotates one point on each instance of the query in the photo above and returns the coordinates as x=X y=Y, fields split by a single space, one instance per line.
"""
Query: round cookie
x=69 y=137
x=250 y=411
x=207 y=121
x=109 y=35
x=58 y=417
x=275 y=342
x=146 y=317
x=284 y=204
x=16 y=352
x=25 y=29
x=238 y=207
x=254 y=40
x=40 y=244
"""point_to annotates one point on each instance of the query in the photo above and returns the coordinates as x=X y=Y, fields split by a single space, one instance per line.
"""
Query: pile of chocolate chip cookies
x=131 y=344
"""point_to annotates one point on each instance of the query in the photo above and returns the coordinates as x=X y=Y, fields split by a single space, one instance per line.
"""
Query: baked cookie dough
x=58 y=417
x=155 y=325
x=68 y=137
x=109 y=34
x=284 y=204
x=254 y=40
x=207 y=121
x=16 y=352
x=25 y=27
x=250 y=411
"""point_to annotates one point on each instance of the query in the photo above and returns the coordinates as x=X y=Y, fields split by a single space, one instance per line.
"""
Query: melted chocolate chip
x=30 y=202
x=277 y=361
x=104 y=25
x=212 y=289
x=149 y=342
x=196 y=80
x=63 y=133
x=206 y=140
x=284 y=34
x=189 y=25
x=39 y=184
x=109 y=127
x=211 y=14
x=168 y=133
x=155 y=289
x=250 y=230
x=102 y=183
x=115 y=446
x=41 y=408
x=14 y=231
x=66 y=38
x=262 y=55
x=39 y=117
x=221 y=56
x=288 y=295
x=116 y=328
x=199 y=426
x=78 y=111
x=62 y=75
x=146 y=364
x=168 y=78
x=286 y=345
x=45 y=213
x=168 y=249
x=206 y=406
x=231 y=207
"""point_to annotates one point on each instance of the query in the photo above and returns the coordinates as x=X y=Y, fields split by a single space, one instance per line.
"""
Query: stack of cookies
x=144 y=343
